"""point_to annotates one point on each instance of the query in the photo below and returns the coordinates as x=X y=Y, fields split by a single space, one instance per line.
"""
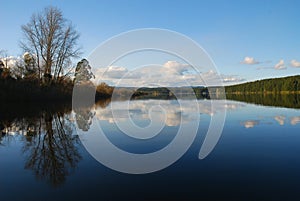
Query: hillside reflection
x=275 y=100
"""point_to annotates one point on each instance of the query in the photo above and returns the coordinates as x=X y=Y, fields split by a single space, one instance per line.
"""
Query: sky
x=247 y=40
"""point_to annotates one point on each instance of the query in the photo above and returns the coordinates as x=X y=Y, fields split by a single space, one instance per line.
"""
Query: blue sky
x=265 y=31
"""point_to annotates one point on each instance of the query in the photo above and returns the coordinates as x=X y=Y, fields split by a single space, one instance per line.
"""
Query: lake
x=56 y=153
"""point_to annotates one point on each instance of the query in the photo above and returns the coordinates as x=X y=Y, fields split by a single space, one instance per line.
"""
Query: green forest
x=284 y=85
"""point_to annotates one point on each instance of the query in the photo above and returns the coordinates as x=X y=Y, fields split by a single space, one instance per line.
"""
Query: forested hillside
x=287 y=85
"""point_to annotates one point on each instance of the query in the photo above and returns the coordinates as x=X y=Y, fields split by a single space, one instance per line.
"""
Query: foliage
x=29 y=66
x=83 y=72
x=289 y=84
x=34 y=90
x=27 y=87
x=104 y=91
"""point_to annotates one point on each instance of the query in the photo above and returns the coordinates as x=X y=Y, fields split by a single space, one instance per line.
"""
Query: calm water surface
x=257 y=156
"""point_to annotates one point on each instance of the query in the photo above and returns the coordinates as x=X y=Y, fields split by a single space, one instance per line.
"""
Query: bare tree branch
x=53 y=40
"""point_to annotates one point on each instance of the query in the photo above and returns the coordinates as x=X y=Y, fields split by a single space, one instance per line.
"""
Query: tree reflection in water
x=52 y=152
x=85 y=113
x=49 y=145
x=84 y=116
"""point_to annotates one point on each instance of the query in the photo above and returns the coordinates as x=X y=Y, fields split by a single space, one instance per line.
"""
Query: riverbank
x=36 y=91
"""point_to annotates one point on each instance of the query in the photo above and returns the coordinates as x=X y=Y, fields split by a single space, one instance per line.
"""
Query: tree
x=83 y=72
x=104 y=90
x=53 y=40
x=29 y=65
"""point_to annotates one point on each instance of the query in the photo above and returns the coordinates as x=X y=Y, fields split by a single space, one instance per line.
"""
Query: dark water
x=42 y=156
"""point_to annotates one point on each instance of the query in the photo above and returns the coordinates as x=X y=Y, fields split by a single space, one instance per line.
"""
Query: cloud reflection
x=169 y=111
x=295 y=120
x=250 y=123
x=280 y=119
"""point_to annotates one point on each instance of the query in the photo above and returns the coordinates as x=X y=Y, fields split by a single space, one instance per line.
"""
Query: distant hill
x=288 y=85
x=171 y=92
x=284 y=85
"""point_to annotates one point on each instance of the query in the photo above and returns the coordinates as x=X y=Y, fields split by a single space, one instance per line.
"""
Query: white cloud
x=171 y=73
x=280 y=65
x=232 y=78
x=250 y=61
x=295 y=63
x=115 y=71
x=175 y=67
x=11 y=61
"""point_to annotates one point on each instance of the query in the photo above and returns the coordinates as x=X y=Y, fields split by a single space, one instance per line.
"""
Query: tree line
x=284 y=85
x=46 y=71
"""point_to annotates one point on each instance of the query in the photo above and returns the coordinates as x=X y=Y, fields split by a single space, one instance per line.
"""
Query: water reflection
x=275 y=100
x=280 y=119
x=52 y=154
x=258 y=144
x=48 y=143
x=295 y=120
x=170 y=111
x=250 y=123
x=84 y=116
x=50 y=148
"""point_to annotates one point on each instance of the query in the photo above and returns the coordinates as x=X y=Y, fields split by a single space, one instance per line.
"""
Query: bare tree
x=53 y=40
